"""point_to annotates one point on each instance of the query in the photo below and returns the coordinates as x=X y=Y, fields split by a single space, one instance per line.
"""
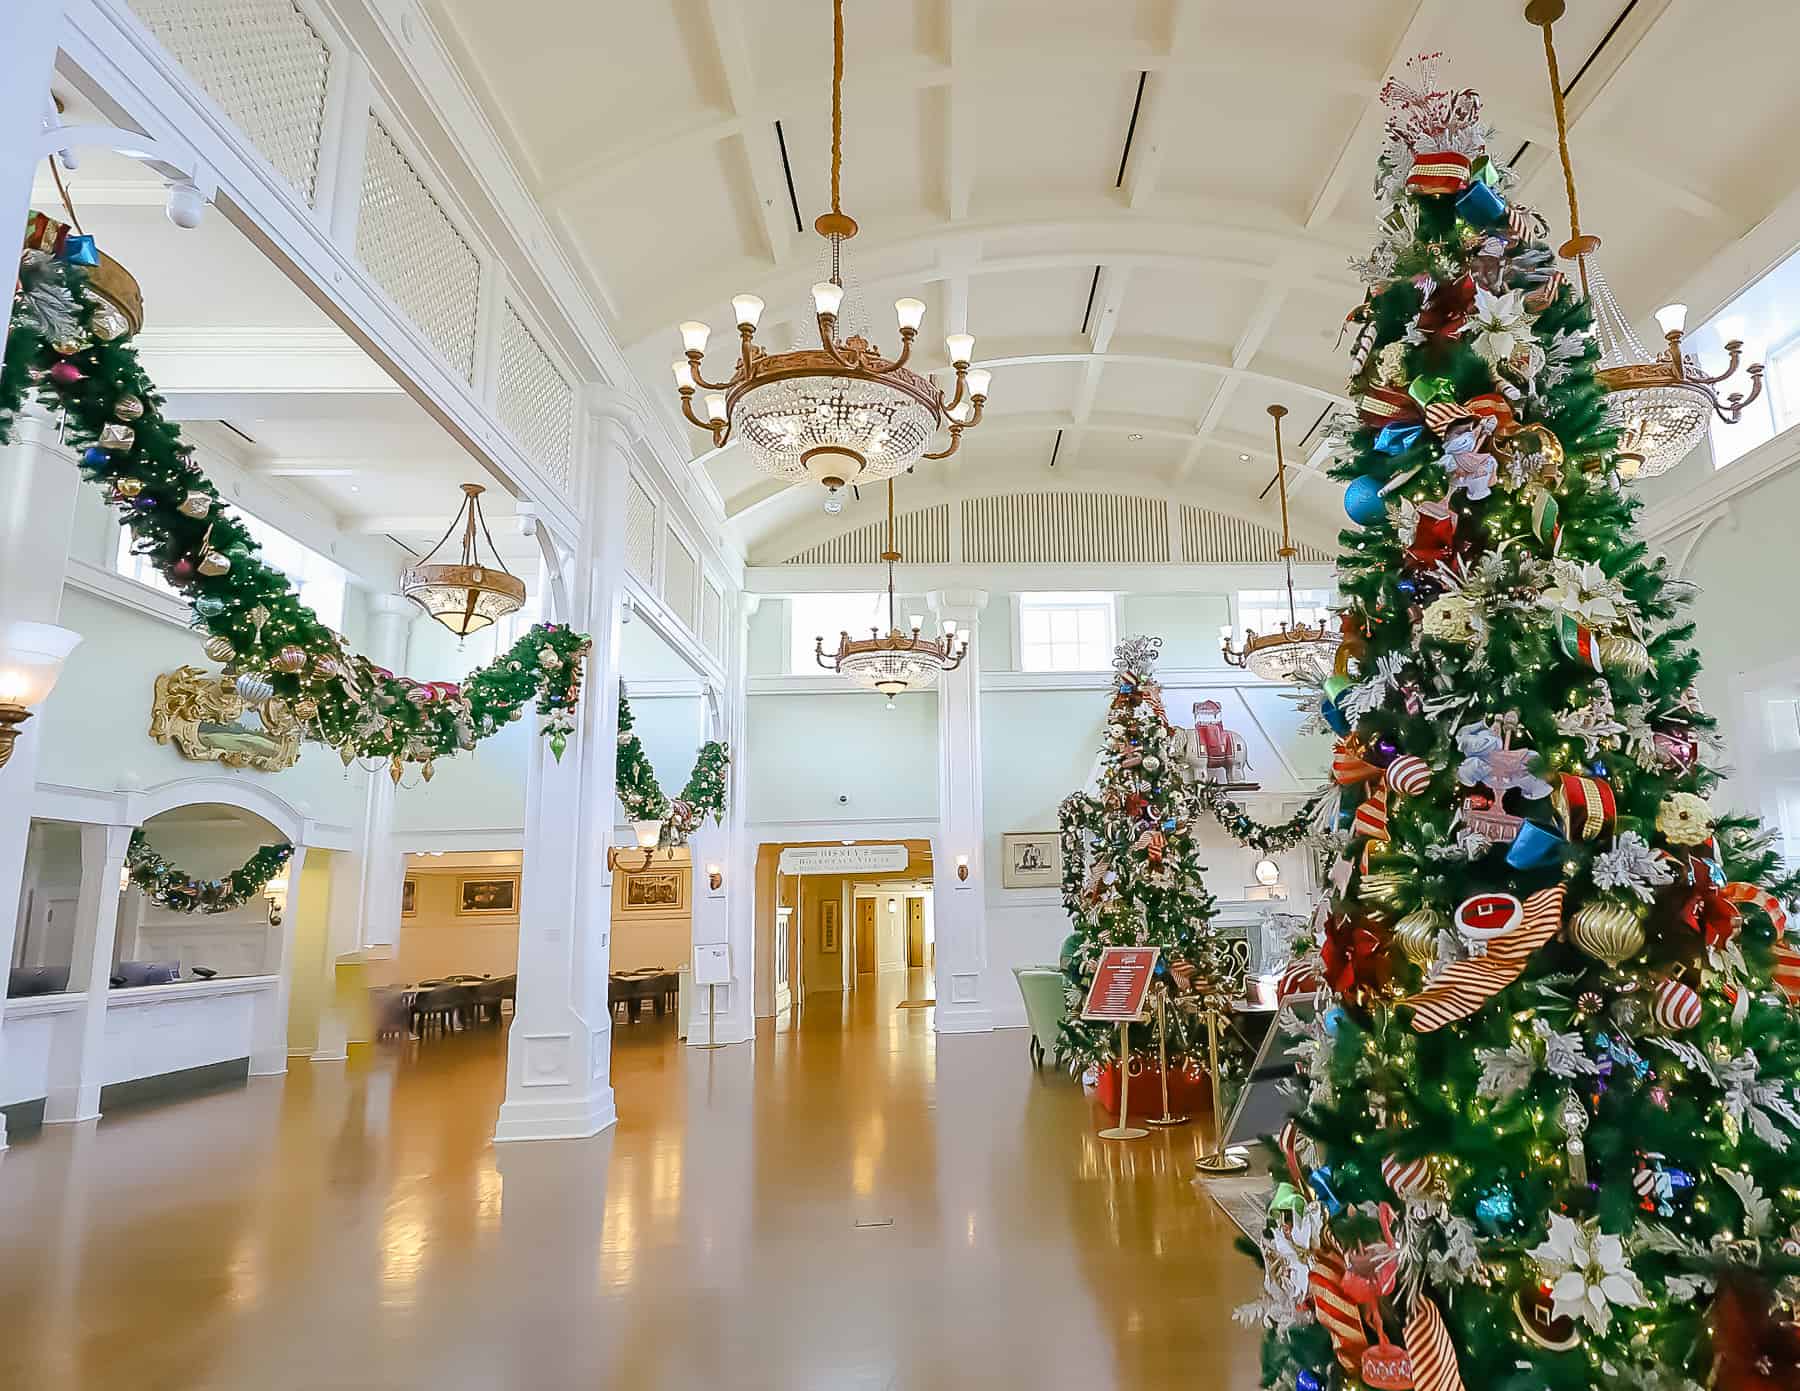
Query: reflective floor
x=852 y=1203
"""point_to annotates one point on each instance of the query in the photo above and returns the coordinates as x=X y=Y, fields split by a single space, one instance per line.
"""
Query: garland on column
x=73 y=353
x=169 y=886
x=643 y=797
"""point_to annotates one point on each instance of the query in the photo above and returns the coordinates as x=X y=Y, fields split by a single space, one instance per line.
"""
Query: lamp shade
x=31 y=660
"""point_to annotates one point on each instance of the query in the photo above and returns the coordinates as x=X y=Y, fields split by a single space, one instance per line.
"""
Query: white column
x=729 y=915
x=961 y=916
x=559 y=1053
x=268 y=1045
x=38 y=487
x=76 y=1066
x=27 y=61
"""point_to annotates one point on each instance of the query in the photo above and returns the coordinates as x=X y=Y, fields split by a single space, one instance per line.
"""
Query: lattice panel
x=640 y=533
x=263 y=63
x=535 y=400
x=415 y=253
x=1209 y=537
x=712 y=619
x=1065 y=529
x=680 y=571
x=923 y=537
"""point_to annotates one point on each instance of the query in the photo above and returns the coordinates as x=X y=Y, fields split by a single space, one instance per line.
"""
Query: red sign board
x=1121 y=981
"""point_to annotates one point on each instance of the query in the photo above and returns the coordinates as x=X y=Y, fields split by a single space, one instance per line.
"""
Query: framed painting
x=490 y=896
x=656 y=891
x=829 y=926
x=1030 y=860
x=409 y=897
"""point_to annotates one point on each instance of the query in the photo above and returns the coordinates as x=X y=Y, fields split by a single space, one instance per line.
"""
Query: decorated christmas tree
x=1131 y=874
x=1547 y=1132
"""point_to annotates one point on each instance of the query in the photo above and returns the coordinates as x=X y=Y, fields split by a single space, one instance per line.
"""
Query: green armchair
x=1046 y=1006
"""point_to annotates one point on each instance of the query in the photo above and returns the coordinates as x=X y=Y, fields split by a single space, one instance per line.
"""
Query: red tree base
x=1190 y=1093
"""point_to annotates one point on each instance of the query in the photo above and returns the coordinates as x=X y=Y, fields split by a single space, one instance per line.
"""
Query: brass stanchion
x=1162 y=1062
x=1219 y=1161
x=1124 y=1130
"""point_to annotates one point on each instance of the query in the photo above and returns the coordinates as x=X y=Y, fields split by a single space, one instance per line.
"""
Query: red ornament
x=1753 y=1350
x=1434 y=535
x=65 y=373
x=1355 y=958
x=1707 y=910
x=1448 y=308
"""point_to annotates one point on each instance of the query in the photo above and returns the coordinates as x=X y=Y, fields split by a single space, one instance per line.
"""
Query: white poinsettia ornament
x=1499 y=325
x=1589 y=1274
x=1586 y=592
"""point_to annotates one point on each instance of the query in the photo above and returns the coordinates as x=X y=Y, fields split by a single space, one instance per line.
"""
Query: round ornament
x=180 y=571
x=1417 y=935
x=1608 y=931
x=1362 y=500
x=254 y=689
x=1410 y=1179
x=128 y=408
x=220 y=649
x=1384 y=886
x=108 y=323
x=1532 y=1307
x=65 y=374
x=1306 y=1380
x=209 y=607
x=213 y=564
x=1483 y=917
x=1409 y=775
x=1675 y=1006
x=290 y=659
x=1625 y=655
x=195 y=505
x=306 y=708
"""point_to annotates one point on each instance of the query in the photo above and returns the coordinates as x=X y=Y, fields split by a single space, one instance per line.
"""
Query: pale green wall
x=766 y=651
x=1037 y=747
x=314 y=974
x=807 y=749
x=1188 y=624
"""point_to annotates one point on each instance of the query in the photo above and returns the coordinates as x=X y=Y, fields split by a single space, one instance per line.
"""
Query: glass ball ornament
x=1416 y=935
x=1631 y=1012
x=1608 y=931
x=1497 y=1211
x=1363 y=501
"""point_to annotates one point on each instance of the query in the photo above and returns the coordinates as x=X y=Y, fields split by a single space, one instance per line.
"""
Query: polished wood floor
x=850 y=1203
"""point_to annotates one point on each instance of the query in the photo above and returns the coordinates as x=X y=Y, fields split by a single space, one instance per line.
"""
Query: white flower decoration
x=1586 y=592
x=1499 y=324
x=1590 y=1273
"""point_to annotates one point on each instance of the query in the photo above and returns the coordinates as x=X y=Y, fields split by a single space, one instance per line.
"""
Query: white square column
x=960 y=902
x=559 y=1053
x=76 y=1066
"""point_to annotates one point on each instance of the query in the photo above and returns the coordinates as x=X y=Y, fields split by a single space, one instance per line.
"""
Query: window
x=814 y=616
x=1065 y=632
x=1266 y=610
x=1766 y=319
x=319 y=579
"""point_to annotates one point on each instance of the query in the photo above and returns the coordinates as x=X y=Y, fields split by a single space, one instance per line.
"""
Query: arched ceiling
x=1143 y=209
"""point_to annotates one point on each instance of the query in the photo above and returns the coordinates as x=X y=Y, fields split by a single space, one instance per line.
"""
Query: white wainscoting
x=233 y=944
x=32 y=1026
x=157 y=1029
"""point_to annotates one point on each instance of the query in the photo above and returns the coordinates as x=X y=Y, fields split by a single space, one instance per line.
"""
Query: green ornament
x=558 y=742
x=1425 y=390
x=1335 y=686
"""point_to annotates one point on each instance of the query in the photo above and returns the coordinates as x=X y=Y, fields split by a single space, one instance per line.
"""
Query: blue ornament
x=1333 y=1018
x=1397 y=439
x=80 y=250
x=1320 y=1181
x=1407 y=588
x=1534 y=847
x=1307 y=1381
x=1597 y=769
x=1363 y=501
x=1169 y=825
x=95 y=457
x=1334 y=717
x=1480 y=206
x=1496 y=1211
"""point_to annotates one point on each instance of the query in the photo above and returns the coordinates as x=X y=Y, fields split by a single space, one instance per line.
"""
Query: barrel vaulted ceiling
x=1142 y=209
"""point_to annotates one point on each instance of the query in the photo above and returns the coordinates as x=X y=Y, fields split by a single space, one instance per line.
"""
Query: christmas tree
x=1547 y=1133
x=1131 y=874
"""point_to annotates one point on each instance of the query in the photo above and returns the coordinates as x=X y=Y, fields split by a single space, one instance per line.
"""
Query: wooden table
x=632 y=988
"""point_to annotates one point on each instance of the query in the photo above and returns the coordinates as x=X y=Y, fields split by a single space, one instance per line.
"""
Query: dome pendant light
x=468 y=594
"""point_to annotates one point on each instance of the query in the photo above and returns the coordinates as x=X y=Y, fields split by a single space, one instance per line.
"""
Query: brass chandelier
x=468 y=594
x=1297 y=647
x=1661 y=404
x=900 y=660
x=841 y=413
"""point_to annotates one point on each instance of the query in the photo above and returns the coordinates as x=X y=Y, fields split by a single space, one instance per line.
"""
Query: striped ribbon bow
x=1466 y=986
x=1433 y=1354
x=1336 y=1311
x=1739 y=892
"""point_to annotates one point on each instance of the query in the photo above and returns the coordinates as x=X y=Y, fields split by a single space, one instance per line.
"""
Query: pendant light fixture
x=1282 y=656
x=840 y=413
x=468 y=594
x=1661 y=405
x=900 y=661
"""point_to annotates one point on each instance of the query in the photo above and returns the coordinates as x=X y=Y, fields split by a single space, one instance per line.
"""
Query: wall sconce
x=715 y=878
x=962 y=868
x=31 y=660
x=276 y=891
x=893 y=905
x=1268 y=873
x=648 y=833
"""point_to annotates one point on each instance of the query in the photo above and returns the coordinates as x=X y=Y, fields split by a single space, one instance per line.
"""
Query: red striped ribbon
x=1337 y=1312
x=1371 y=817
x=1433 y=1354
x=1750 y=893
x=1466 y=986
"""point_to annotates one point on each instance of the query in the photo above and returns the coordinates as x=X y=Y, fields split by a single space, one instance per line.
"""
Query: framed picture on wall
x=1030 y=860
x=409 y=897
x=490 y=896
x=828 y=926
x=655 y=891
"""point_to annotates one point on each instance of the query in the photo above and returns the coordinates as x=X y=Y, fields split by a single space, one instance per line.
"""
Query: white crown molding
x=1170 y=578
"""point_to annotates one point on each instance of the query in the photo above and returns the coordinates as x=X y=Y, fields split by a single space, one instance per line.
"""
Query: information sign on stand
x=1121 y=984
x=712 y=968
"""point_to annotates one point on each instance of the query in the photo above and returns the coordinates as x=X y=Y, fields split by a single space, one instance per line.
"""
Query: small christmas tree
x=1548 y=1138
x=1131 y=874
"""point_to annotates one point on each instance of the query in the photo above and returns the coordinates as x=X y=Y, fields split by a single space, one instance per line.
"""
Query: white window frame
x=1065 y=599
x=133 y=567
x=800 y=660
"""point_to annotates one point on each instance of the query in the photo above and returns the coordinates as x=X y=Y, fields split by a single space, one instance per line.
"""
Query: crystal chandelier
x=1660 y=405
x=900 y=661
x=840 y=413
x=1283 y=656
x=468 y=594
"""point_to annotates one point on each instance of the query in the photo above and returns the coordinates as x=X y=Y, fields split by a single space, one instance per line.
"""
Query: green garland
x=73 y=353
x=169 y=886
x=1247 y=830
x=643 y=797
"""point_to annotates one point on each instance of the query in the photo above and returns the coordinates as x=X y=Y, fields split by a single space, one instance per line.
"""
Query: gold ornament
x=195 y=505
x=116 y=437
x=128 y=487
x=108 y=323
x=1537 y=442
x=1417 y=935
x=214 y=564
x=1625 y=655
x=127 y=408
x=425 y=772
x=1383 y=886
x=66 y=347
x=289 y=659
x=306 y=708
x=220 y=649
x=1607 y=931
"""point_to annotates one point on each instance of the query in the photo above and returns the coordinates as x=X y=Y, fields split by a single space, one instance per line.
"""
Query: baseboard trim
x=576 y=1119
x=190 y=1081
x=951 y=1020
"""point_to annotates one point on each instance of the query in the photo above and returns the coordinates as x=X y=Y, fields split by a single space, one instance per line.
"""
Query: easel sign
x=1121 y=984
x=712 y=968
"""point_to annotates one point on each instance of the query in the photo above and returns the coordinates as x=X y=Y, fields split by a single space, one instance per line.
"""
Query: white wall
x=808 y=750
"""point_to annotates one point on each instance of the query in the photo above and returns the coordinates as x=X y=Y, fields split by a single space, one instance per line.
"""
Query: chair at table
x=437 y=1007
x=1044 y=989
x=391 y=1009
x=489 y=994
